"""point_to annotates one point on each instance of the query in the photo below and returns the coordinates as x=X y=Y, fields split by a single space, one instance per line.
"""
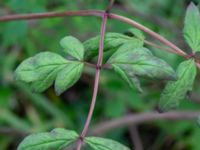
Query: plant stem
x=103 y=66
x=158 y=46
x=96 y=82
x=135 y=119
x=98 y=13
x=51 y=15
x=108 y=9
x=150 y=32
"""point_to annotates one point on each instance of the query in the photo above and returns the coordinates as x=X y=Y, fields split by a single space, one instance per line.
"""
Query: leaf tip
x=191 y=6
x=140 y=90
x=58 y=92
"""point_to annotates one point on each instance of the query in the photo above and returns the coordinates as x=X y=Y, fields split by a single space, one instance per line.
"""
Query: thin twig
x=150 y=32
x=98 y=13
x=103 y=66
x=134 y=119
x=158 y=46
x=131 y=119
x=96 y=83
x=51 y=15
x=108 y=9
x=95 y=13
x=135 y=137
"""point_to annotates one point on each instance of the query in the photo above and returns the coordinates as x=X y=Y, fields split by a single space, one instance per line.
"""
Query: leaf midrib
x=42 y=66
x=142 y=64
x=51 y=141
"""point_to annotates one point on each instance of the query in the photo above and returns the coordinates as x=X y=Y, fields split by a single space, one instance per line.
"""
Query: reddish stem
x=175 y=49
x=150 y=32
x=96 y=83
x=51 y=15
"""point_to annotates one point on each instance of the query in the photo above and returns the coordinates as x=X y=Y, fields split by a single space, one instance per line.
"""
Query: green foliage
x=42 y=69
x=132 y=80
x=98 y=143
x=56 y=139
x=136 y=33
x=37 y=68
x=68 y=76
x=131 y=61
x=112 y=41
x=192 y=28
x=23 y=110
x=175 y=91
x=73 y=47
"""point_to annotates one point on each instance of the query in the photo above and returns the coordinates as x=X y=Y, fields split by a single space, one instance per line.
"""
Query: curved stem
x=150 y=32
x=98 y=13
x=96 y=82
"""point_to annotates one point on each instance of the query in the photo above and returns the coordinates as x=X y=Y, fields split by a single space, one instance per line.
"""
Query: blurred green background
x=22 y=111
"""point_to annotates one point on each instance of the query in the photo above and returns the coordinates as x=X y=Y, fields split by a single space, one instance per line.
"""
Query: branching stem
x=99 y=13
x=96 y=82
x=105 y=15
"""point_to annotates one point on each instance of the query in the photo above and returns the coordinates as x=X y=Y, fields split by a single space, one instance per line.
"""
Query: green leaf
x=192 y=27
x=140 y=62
x=112 y=41
x=133 y=81
x=73 y=47
x=57 y=139
x=136 y=33
x=175 y=91
x=68 y=76
x=46 y=81
x=98 y=143
x=42 y=69
x=39 y=67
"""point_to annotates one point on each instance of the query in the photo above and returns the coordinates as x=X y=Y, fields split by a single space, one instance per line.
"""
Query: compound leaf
x=57 y=139
x=192 y=27
x=73 y=47
x=175 y=91
x=112 y=41
x=46 y=67
x=68 y=76
x=39 y=66
x=98 y=143
x=141 y=62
